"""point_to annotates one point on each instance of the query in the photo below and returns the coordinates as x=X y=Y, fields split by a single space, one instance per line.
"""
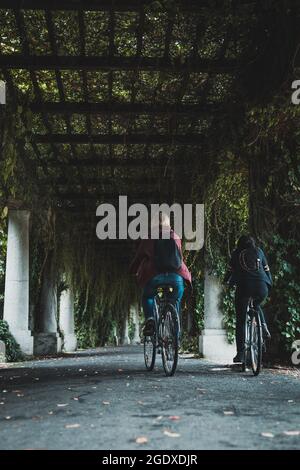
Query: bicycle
x=254 y=342
x=165 y=337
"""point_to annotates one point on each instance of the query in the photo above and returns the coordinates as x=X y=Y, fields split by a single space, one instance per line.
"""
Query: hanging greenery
x=245 y=167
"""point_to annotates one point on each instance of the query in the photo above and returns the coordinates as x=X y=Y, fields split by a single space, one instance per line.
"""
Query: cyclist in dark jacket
x=252 y=280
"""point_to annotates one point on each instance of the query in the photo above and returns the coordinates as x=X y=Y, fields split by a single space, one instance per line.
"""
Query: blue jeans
x=150 y=289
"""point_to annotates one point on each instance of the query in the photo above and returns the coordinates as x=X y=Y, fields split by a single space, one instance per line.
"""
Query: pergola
x=127 y=97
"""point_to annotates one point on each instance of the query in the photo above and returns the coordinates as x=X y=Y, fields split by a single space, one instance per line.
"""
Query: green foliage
x=2 y=263
x=13 y=351
x=227 y=306
x=198 y=287
x=227 y=215
x=189 y=344
x=220 y=169
x=284 y=311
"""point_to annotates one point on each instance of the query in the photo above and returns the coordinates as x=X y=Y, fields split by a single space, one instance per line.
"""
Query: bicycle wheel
x=169 y=339
x=150 y=351
x=255 y=343
x=246 y=360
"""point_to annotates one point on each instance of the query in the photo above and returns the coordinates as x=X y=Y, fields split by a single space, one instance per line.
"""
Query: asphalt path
x=105 y=399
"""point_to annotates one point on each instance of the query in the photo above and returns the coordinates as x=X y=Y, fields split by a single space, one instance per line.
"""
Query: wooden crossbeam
x=118 y=5
x=100 y=162
x=185 y=139
x=107 y=196
x=130 y=108
x=110 y=181
x=53 y=62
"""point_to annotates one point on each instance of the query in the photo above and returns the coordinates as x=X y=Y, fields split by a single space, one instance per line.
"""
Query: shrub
x=13 y=351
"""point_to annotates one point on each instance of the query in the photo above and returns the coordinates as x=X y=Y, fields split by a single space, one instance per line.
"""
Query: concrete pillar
x=134 y=312
x=16 y=296
x=66 y=320
x=2 y=352
x=125 y=331
x=46 y=337
x=115 y=336
x=213 y=343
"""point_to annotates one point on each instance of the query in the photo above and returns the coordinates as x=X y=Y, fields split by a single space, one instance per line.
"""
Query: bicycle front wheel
x=255 y=343
x=169 y=338
x=150 y=351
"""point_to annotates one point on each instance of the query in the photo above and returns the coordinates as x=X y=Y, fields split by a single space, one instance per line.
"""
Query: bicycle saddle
x=164 y=289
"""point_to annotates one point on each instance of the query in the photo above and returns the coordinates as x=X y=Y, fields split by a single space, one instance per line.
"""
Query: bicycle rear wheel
x=255 y=343
x=246 y=360
x=150 y=351
x=169 y=338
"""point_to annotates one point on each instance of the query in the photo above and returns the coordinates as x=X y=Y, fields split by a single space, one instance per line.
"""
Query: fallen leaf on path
x=141 y=440
x=292 y=433
x=171 y=434
x=72 y=426
x=267 y=434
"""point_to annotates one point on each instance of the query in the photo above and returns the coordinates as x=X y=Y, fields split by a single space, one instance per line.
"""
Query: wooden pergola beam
x=130 y=108
x=123 y=139
x=55 y=62
x=100 y=162
x=100 y=181
x=110 y=195
x=106 y=5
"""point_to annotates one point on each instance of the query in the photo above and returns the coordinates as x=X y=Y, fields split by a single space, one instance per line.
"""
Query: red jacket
x=143 y=262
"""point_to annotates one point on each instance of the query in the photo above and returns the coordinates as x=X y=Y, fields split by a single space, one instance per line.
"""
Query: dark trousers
x=258 y=291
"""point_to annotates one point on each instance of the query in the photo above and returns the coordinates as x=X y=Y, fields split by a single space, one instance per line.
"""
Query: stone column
x=2 y=352
x=46 y=337
x=66 y=320
x=125 y=333
x=134 y=312
x=115 y=336
x=16 y=296
x=213 y=343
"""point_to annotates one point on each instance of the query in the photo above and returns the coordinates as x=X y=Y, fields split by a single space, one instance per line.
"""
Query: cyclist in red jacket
x=149 y=277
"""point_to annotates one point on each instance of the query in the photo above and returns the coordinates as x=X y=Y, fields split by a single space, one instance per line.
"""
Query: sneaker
x=265 y=331
x=149 y=327
x=238 y=358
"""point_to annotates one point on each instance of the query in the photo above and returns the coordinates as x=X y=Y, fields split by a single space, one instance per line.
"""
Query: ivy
x=13 y=351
